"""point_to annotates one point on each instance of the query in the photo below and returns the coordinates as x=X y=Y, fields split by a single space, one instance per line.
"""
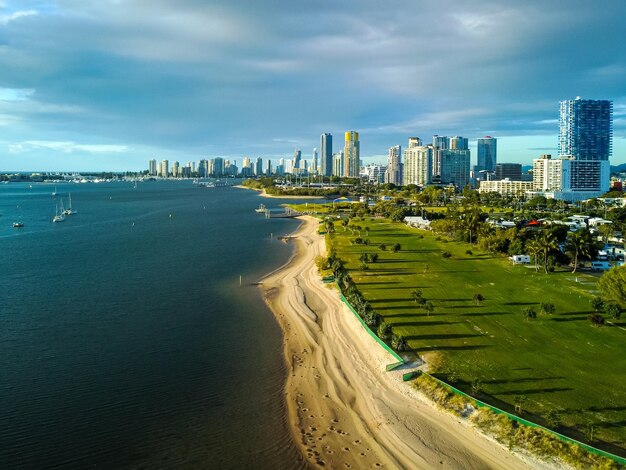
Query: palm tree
x=547 y=241
x=534 y=248
x=580 y=244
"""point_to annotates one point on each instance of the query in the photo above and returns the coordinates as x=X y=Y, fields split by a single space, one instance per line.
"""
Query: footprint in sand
x=347 y=449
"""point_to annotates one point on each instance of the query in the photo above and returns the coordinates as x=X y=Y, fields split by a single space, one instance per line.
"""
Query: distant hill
x=618 y=168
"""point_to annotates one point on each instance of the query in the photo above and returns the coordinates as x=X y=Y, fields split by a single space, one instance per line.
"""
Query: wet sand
x=344 y=409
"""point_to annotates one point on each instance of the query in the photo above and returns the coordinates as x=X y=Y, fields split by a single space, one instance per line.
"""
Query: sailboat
x=54 y=193
x=59 y=217
x=69 y=210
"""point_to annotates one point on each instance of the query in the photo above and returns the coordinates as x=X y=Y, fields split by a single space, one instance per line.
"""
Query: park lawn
x=558 y=362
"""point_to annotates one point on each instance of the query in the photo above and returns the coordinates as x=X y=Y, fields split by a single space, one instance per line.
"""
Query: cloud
x=195 y=77
x=64 y=147
x=6 y=19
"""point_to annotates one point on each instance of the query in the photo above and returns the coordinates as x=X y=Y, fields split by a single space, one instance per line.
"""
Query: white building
x=505 y=187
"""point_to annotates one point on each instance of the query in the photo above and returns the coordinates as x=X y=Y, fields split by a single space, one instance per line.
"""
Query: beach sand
x=345 y=411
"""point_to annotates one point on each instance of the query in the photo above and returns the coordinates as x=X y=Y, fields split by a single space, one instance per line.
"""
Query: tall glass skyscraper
x=585 y=129
x=487 y=153
x=351 y=155
x=326 y=154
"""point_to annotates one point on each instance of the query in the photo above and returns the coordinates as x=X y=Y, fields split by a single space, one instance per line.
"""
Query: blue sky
x=107 y=85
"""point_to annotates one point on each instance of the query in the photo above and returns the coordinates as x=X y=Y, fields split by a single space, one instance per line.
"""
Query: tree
x=534 y=248
x=477 y=386
x=416 y=295
x=613 y=311
x=395 y=247
x=596 y=319
x=597 y=304
x=547 y=308
x=399 y=343
x=382 y=247
x=606 y=231
x=547 y=241
x=518 y=401
x=446 y=254
x=429 y=307
x=529 y=313
x=579 y=244
x=478 y=298
x=612 y=284
x=384 y=330
x=553 y=417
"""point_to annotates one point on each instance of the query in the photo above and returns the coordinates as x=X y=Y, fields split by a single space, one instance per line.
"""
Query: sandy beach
x=344 y=409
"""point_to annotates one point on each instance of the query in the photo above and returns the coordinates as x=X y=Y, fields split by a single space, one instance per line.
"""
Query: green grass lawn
x=558 y=362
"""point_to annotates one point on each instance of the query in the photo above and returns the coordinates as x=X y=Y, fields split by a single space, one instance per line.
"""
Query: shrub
x=597 y=304
x=596 y=319
x=446 y=254
x=382 y=247
x=529 y=313
x=613 y=311
x=399 y=343
x=384 y=330
x=547 y=308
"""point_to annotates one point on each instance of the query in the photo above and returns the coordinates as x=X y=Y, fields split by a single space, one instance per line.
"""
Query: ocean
x=126 y=340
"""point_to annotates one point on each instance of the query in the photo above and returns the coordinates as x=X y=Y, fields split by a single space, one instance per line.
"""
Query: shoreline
x=344 y=410
x=263 y=193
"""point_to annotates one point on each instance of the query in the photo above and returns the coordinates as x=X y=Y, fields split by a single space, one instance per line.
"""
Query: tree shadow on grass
x=441 y=336
x=418 y=322
x=520 y=303
x=521 y=380
x=536 y=391
x=469 y=347
x=569 y=319
x=480 y=314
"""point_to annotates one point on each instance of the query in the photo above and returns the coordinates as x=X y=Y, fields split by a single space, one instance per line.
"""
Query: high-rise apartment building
x=455 y=167
x=338 y=164
x=326 y=154
x=164 y=169
x=258 y=166
x=440 y=142
x=586 y=129
x=418 y=161
x=351 y=155
x=393 y=174
x=548 y=174
x=175 y=169
x=512 y=171
x=152 y=167
x=459 y=143
x=314 y=163
x=218 y=166
x=487 y=152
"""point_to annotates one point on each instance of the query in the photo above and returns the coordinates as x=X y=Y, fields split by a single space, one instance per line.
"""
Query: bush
x=446 y=254
x=547 y=308
x=382 y=247
x=529 y=313
x=597 y=304
x=596 y=319
x=384 y=330
x=399 y=343
x=613 y=311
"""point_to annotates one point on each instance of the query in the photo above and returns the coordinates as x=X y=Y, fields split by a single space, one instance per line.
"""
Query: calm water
x=125 y=339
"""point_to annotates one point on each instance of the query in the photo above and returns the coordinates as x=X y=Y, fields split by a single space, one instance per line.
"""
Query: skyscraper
x=440 y=142
x=152 y=167
x=351 y=155
x=459 y=143
x=394 y=166
x=487 y=152
x=297 y=157
x=338 y=165
x=455 y=167
x=417 y=163
x=585 y=129
x=258 y=166
x=314 y=164
x=326 y=154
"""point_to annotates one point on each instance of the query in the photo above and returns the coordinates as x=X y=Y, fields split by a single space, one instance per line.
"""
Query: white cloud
x=6 y=19
x=64 y=147
x=15 y=94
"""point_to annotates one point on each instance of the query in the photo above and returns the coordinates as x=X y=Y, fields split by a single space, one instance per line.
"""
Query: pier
x=287 y=214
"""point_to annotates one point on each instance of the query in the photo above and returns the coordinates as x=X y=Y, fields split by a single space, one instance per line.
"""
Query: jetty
x=288 y=213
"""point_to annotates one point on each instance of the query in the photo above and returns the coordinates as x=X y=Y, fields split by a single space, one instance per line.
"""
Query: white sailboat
x=59 y=217
x=69 y=210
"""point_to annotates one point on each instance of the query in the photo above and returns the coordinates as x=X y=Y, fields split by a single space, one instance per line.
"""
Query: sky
x=107 y=85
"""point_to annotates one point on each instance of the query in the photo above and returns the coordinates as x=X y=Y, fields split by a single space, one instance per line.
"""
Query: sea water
x=126 y=340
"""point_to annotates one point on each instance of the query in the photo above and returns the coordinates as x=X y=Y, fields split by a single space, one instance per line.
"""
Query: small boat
x=54 y=193
x=69 y=210
x=59 y=217
x=18 y=224
x=260 y=209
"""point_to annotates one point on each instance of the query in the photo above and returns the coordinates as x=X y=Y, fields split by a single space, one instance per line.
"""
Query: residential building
x=338 y=164
x=152 y=167
x=586 y=129
x=506 y=187
x=218 y=166
x=547 y=174
x=487 y=151
x=512 y=171
x=258 y=166
x=394 y=166
x=440 y=143
x=314 y=170
x=326 y=154
x=351 y=155
x=164 y=169
x=459 y=143
x=175 y=167
x=297 y=158
x=455 y=166
x=375 y=174
x=418 y=162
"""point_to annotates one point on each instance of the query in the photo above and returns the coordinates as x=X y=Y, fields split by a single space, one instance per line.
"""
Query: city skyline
x=108 y=86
